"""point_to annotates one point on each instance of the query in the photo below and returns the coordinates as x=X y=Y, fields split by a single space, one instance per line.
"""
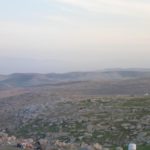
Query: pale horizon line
x=85 y=71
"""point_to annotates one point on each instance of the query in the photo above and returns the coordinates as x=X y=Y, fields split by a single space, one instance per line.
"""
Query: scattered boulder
x=119 y=148
x=97 y=146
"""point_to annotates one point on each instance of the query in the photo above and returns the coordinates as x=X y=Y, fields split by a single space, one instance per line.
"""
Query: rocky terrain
x=109 y=108
x=105 y=120
x=109 y=120
x=12 y=143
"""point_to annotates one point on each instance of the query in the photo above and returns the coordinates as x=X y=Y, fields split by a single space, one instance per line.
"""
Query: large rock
x=119 y=148
x=97 y=146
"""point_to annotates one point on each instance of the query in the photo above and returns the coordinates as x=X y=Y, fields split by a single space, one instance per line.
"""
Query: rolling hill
x=35 y=79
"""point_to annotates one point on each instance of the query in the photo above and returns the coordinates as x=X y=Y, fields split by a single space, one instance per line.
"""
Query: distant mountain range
x=35 y=79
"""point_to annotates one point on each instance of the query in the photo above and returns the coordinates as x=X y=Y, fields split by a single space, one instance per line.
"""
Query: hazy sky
x=71 y=35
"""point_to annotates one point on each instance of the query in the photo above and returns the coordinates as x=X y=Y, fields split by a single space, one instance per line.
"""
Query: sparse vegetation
x=77 y=113
x=115 y=122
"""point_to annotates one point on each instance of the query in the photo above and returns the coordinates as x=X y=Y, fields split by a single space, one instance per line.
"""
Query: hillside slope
x=34 y=79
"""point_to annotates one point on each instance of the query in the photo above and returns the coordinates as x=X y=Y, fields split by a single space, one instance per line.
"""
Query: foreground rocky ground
x=13 y=143
x=109 y=121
